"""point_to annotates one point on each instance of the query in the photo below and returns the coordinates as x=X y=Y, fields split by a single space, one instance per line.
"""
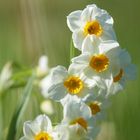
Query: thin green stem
x=1 y=118
x=72 y=50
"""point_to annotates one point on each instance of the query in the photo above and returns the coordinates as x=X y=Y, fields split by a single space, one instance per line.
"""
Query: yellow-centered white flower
x=39 y=129
x=92 y=21
x=77 y=115
x=117 y=81
x=63 y=82
x=98 y=105
x=97 y=60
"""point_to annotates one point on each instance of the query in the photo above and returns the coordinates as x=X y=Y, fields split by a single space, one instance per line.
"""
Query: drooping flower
x=78 y=116
x=98 y=60
x=42 y=68
x=98 y=105
x=63 y=82
x=92 y=21
x=39 y=129
x=5 y=77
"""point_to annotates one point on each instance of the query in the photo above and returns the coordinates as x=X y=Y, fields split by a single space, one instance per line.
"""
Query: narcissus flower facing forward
x=92 y=21
x=97 y=60
x=78 y=116
x=63 y=82
x=117 y=82
x=39 y=129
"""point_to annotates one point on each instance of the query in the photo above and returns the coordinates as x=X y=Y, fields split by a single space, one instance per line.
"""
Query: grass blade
x=20 y=109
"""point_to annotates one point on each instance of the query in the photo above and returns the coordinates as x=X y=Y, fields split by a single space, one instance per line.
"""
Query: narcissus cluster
x=100 y=71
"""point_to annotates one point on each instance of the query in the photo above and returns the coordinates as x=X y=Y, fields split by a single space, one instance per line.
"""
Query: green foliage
x=20 y=109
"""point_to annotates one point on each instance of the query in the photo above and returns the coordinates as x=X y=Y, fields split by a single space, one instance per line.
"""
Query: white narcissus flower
x=98 y=105
x=42 y=68
x=92 y=21
x=77 y=116
x=63 y=82
x=117 y=82
x=100 y=60
x=39 y=129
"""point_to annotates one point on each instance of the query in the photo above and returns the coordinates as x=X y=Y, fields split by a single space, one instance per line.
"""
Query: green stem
x=1 y=118
x=72 y=50
x=22 y=74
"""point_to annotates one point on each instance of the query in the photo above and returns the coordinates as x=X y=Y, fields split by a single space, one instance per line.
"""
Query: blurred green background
x=30 y=28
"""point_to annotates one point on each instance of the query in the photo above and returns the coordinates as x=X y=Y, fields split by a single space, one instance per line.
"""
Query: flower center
x=95 y=107
x=81 y=121
x=99 y=62
x=119 y=76
x=93 y=27
x=74 y=84
x=43 y=136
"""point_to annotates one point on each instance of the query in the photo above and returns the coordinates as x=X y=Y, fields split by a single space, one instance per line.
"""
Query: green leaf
x=20 y=109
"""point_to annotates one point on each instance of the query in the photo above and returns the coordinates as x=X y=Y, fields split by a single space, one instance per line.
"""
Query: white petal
x=104 y=18
x=90 y=44
x=89 y=72
x=107 y=46
x=108 y=34
x=113 y=88
x=75 y=68
x=89 y=13
x=74 y=21
x=114 y=61
x=70 y=98
x=57 y=92
x=85 y=92
x=59 y=73
x=27 y=130
x=82 y=59
x=130 y=72
x=78 y=38
x=63 y=132
x=79 y=63
x=99 y=14
x=75 y=109
x=92 y=131
x=44 y=123
x=25 y=138
x=125 y=58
